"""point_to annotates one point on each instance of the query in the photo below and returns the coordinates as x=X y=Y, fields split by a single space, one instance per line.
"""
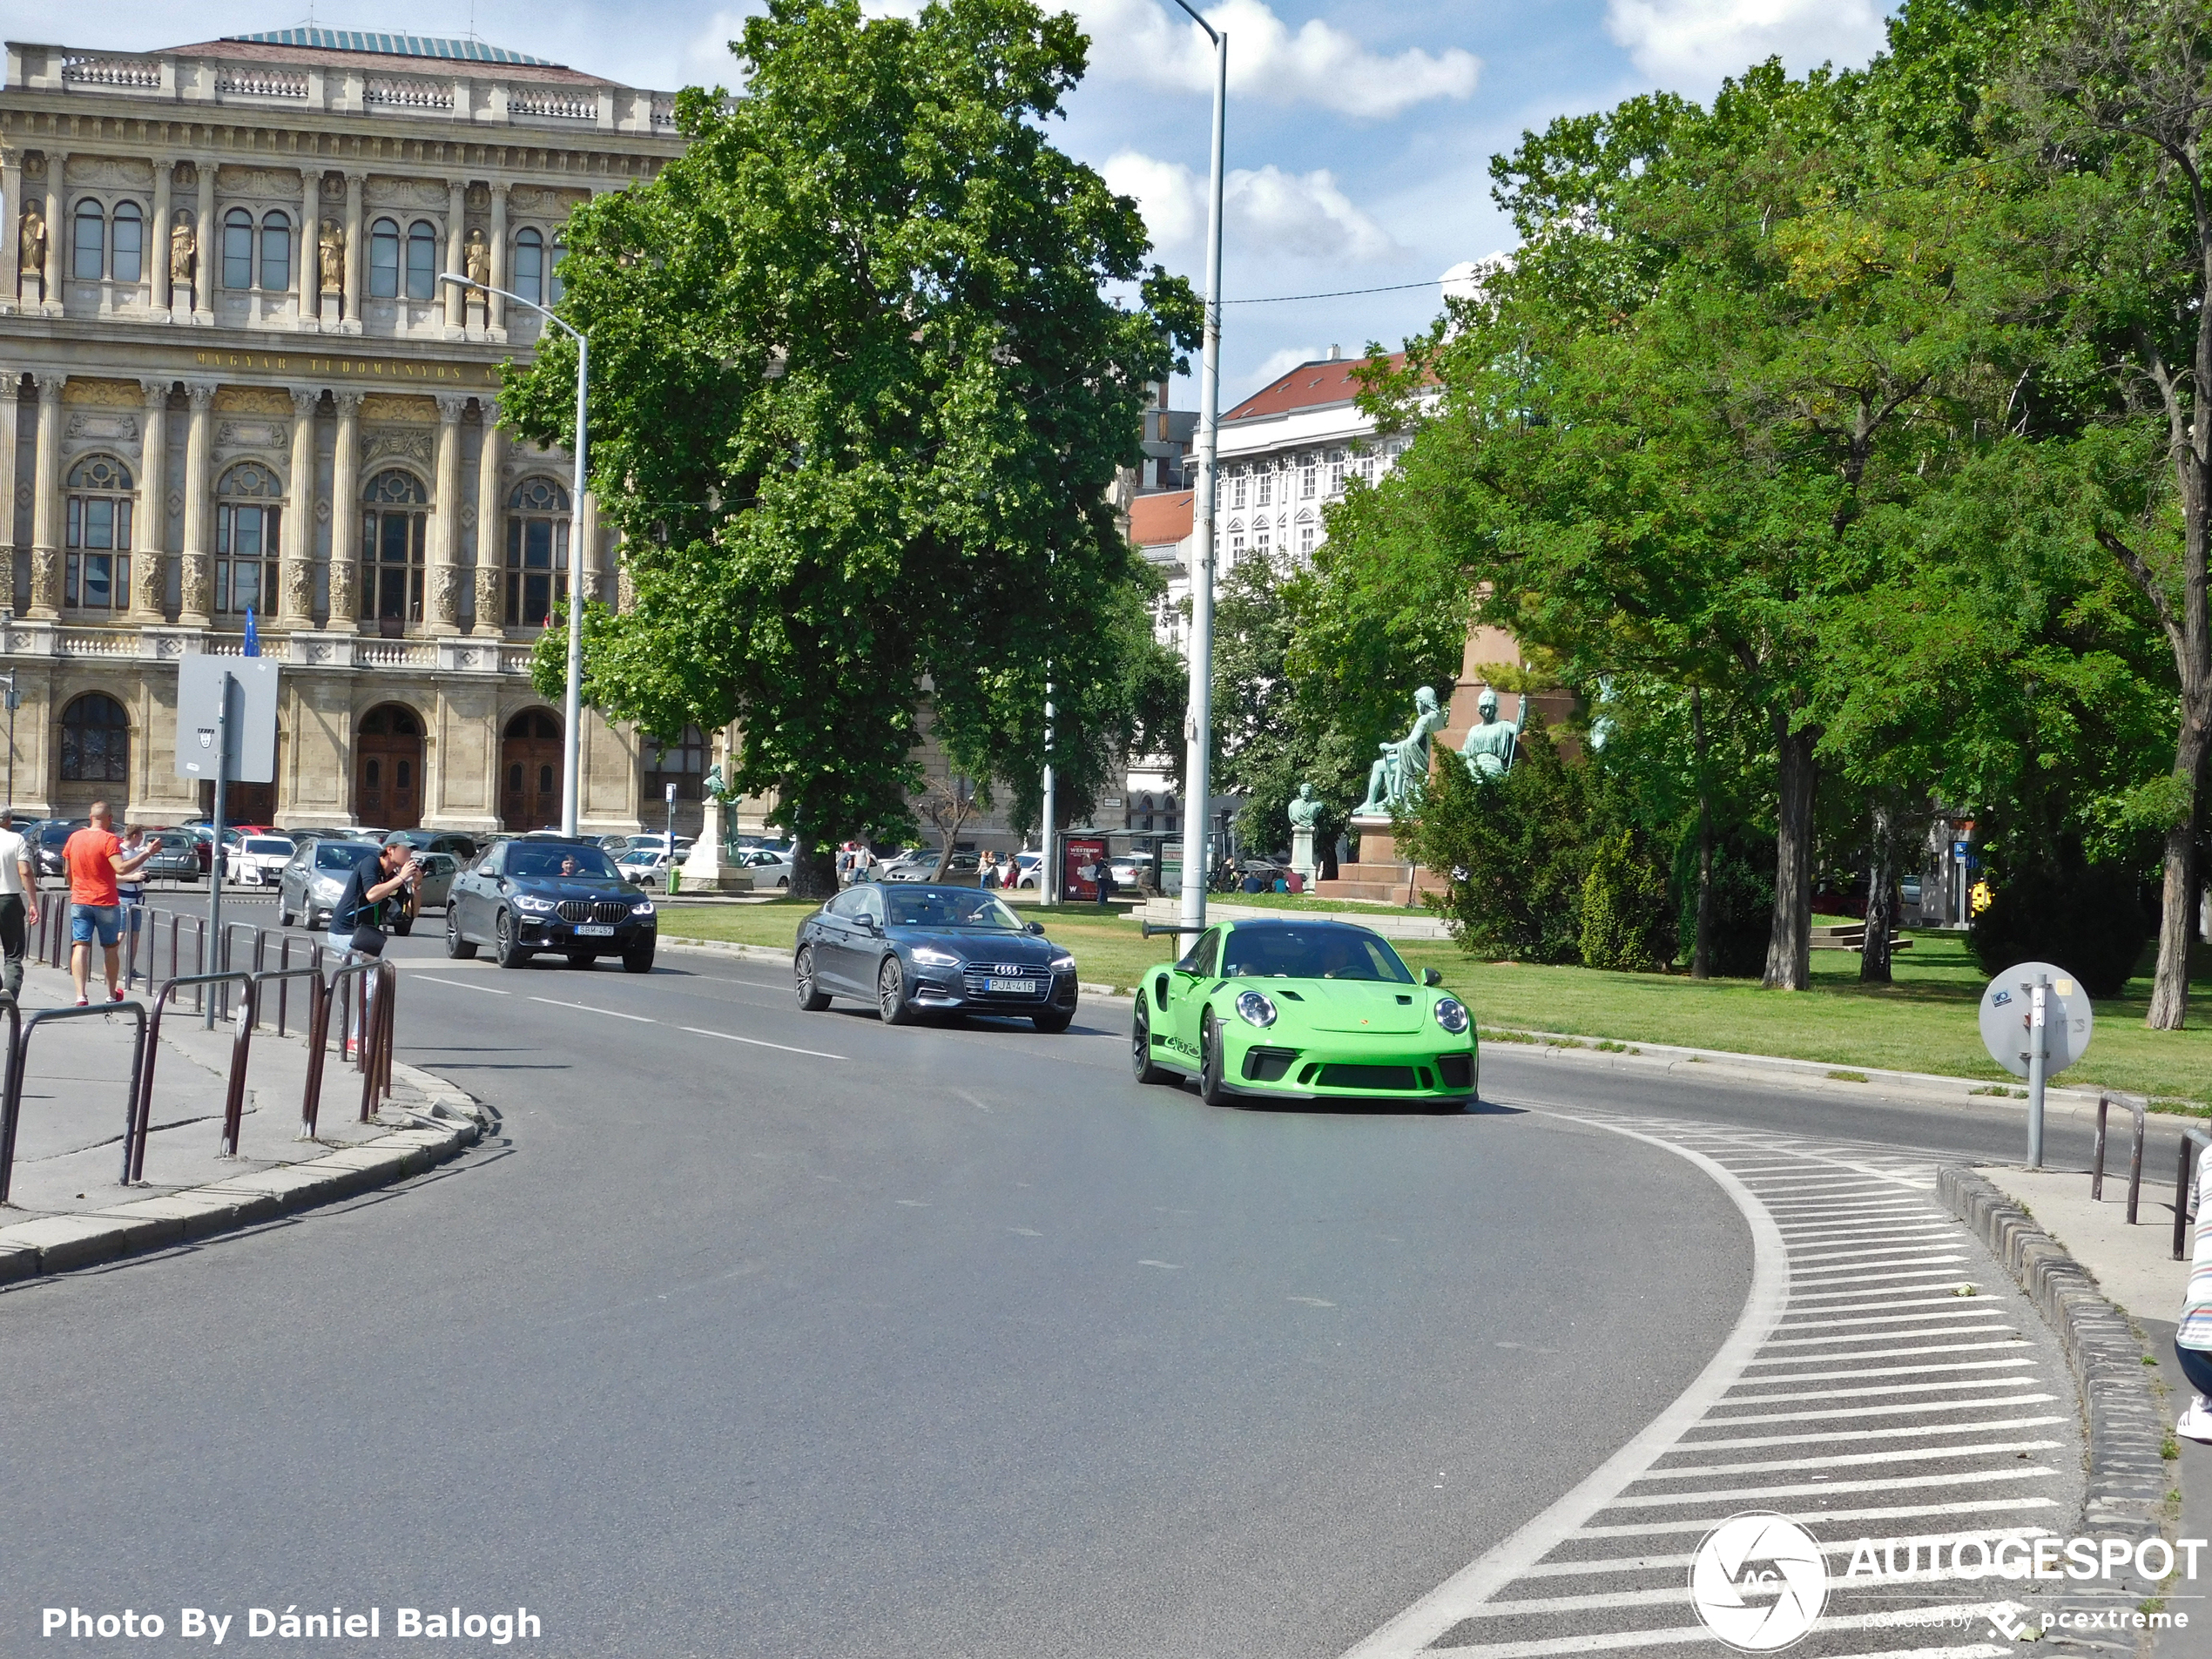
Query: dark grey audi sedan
x=543 y=893
x=922 y=949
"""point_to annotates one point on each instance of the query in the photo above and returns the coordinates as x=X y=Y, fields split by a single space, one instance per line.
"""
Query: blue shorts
x=85 y=920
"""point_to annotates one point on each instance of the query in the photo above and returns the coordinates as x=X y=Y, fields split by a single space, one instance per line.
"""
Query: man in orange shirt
x=95 y=860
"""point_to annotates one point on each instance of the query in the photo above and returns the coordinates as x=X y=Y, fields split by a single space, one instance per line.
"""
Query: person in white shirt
x=18 y=903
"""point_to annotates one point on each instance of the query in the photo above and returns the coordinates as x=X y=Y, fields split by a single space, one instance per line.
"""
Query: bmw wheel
x=1141 y=1063
x=457 y=947
x=506 y=948
x=811 y=997
x=891 y=994
x=1210 y=1062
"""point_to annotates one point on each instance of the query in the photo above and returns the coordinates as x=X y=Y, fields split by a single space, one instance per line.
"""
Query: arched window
x=530 y=265
x=238 y=249
x=395 y=520
x=95 y=741
x=130 y=243
x=384 y=259
x=97 y=572
x=276 y=253
x=248 y=514
x=681 y=762
x=554 y=286
x=422 y=259
x=90 y=245
x=537 y=551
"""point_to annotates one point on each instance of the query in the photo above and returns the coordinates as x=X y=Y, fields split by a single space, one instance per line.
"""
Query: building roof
x=355 y=40
x=1161 y=520
x=1310 y=386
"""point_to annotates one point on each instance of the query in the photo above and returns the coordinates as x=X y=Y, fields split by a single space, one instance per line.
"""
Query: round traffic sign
x=2008 y=1018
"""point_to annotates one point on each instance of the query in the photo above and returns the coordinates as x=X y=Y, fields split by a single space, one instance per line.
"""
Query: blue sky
x=1359 y=135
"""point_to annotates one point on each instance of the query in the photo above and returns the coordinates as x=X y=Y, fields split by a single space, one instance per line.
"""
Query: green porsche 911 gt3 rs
x=1302 y=1009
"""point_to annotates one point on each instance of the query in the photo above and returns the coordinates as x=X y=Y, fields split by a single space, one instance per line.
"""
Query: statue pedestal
x=1302 y=850
x=708 y=869
x=331 y=309
x=1379 y=875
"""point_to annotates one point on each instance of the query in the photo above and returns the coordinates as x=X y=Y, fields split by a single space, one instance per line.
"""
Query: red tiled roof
x=1161 y=520
x=1309 y=385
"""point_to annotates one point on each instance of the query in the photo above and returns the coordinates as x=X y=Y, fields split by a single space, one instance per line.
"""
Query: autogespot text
x=1968 y=1556
x=197 y=1624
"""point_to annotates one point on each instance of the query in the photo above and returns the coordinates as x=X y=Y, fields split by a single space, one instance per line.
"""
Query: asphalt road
x=755 y=1333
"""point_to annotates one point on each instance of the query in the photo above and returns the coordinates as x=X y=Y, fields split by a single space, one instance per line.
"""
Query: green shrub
x=1626 y=919
x=1743 y=904
x=2087 y=920
x=1514 y=851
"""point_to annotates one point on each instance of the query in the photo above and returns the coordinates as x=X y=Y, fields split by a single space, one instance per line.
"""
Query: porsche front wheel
x=1210 y=1062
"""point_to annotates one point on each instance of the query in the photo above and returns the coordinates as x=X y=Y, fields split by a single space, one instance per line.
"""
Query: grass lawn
x=1923 y=1022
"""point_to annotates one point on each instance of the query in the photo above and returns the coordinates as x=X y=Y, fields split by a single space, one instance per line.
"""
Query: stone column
x=158 y=239
x=10 y=415
x=149 y=569
x=491 y=544
x=198 y=587
x=495 y=312
x=584 y=551
x=203 y=275
x=354 y=256
x=56 y=232
x=47 y=508
x=298 y=605
x=457 y=228
x=444 y=608
x=345 y=499
x=12 y=199
x=304 y=260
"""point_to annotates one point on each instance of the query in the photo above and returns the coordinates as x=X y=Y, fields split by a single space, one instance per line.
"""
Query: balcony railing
x=112 y=71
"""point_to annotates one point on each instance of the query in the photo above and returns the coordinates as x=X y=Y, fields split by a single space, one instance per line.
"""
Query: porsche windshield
x=935 y=908
x=1331 y=952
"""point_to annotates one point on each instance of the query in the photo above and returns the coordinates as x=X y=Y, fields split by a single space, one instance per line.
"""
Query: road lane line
x=1929 y=1326
x=586 y=1007
x=759 y=1043
x=1851 y=1459
x=1836 y=1435
x=1906 y=1512
x=1909 y=1408
x=1736 y=1495
x=1892 y=1370
x=488 y=990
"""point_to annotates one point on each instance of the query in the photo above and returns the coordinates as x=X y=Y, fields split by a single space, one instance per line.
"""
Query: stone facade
x=236 y=380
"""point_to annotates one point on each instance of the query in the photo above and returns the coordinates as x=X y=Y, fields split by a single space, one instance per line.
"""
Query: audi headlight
x=930 y=956
x=1452 y=1015
x=1063 y=963
x=537 y=907
x=1255 y=1010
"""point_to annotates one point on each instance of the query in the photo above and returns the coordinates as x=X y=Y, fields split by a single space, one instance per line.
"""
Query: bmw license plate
x=1013 y=987
x=593 y=930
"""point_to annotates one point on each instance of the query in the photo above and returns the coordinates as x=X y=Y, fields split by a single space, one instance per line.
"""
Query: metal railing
x=20 y=1033
x=2137 y=1105
x=2184 y=1197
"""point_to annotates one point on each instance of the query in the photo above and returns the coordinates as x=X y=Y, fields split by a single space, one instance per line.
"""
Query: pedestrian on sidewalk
x=2192 y=1338
x=18 y=903
x=374 y=894
x=97 y=862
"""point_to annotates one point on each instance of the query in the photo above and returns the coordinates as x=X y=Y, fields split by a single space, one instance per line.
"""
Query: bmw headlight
x=930 y=956
x=1452 y=1014
x=535 y=907
x=1255 y=1010
x=642 y=907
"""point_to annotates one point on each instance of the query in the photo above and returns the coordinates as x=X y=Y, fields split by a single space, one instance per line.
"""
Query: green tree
x=857 y=397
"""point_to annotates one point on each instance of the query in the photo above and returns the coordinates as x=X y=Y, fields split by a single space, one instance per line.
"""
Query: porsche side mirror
x=1430 y=976
x=1033 y=927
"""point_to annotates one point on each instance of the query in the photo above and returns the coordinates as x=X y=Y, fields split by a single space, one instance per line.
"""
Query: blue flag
x=253 y=639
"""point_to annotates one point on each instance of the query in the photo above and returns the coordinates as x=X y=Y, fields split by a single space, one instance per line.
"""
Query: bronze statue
x=1489 y=747
x=1395 y=782
x=1305 y=811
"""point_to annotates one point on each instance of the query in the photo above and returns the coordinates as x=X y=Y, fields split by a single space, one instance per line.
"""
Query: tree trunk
x=2169 y=997
x=1881 y=886
x=813 y=869
x=1788 y=961
x=1701 y=955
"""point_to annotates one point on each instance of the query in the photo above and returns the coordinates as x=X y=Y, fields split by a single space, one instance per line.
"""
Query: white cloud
x=1278 y=363
x=1689 y=45
x=708 y=60
x=1266 y=211
x=1317 y=63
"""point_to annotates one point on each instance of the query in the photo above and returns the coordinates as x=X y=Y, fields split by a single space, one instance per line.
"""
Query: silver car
x=314 y=879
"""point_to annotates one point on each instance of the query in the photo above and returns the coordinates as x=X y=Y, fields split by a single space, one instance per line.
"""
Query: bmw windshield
x=554 y=863
x=937 y=908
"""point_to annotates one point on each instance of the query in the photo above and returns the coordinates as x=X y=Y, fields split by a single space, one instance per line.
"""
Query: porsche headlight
x=930 y=956
x=1452 y=1015
x=1255 y=1010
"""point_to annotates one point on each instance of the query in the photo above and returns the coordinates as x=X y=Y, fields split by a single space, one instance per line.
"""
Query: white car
x=644 y=867
x=257 y=860
x=768 y=868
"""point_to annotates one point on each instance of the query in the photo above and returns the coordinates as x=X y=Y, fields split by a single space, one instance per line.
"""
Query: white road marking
x=758 y=1042
x=1833 y=1436
x=1172 y=1267
x=1877 y=1295
x=462 y=984
x=1638 y=1564
x=1026 y=1232
x=1824 y=1322
x=1853 y=1460
x=1880 y=1354
x=1310 y=1301
x=2000 y=1401
x=1928 y=1324
x=1733 y=1494
x=1593 y=1641
x=1979 y=1507
x=1894 y=1370
x=586 y=1007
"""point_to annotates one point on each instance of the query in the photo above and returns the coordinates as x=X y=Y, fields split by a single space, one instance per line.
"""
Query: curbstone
x=2126 y=1479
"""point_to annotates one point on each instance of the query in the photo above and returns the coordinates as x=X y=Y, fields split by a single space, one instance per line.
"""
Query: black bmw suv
x=546 y=893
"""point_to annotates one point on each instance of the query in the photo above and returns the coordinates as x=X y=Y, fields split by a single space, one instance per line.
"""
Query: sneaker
x=114 y=995
x=83 y=1001
x=2195 y=1423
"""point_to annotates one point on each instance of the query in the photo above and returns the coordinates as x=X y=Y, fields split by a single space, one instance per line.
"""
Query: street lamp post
x=1197 y=733
x=572 y=704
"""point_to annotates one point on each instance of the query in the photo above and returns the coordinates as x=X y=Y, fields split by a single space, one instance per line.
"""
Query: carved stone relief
x=299 y=588
x=252 y=434
x=396 y=446
x=404 y=192
x=186 y=176
x=387 y=407
x=541 y=201
x=109 y=428
x=118 y=395
x=113 y=172
x=279 y=184
x=153 y=575
x=199 y=583
x=253 y=400
x=46 y=578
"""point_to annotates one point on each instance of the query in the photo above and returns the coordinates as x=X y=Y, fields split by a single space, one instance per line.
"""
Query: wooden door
x=530 y=772
x=387 y=769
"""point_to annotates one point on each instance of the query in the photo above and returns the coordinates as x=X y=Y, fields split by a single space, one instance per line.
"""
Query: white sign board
x=2010 y=1023
x=252 y=682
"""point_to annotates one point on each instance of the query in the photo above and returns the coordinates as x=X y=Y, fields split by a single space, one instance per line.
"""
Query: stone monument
x=708 y=867
x=1305 y=813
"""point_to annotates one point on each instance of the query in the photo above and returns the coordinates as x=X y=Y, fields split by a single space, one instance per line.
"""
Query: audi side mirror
x=1430 y=976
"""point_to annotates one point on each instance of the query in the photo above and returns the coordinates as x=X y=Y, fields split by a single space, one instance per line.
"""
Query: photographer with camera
x=375 y=893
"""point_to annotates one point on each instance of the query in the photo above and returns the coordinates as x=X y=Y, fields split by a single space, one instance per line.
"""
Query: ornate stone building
x=239 y=386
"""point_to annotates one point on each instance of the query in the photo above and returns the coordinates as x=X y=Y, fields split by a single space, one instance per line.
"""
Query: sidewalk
x=67 y=1204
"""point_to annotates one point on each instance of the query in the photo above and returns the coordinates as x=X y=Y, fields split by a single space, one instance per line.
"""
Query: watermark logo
x=1758 y=1581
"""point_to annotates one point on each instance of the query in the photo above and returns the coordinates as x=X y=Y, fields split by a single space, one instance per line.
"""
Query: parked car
x=258 y=860
x=314 y=878
x=462 y=847
x=48 y=838
x=1026 y=866
x=176 y=856
x=644 y=867
x=923 y=867
x=768 y=868
x=531 y=895
x=927 y=949
x=434 y=890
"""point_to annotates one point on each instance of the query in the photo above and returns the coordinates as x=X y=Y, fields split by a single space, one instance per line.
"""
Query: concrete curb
x=446 y=1122
x=2128 y=1479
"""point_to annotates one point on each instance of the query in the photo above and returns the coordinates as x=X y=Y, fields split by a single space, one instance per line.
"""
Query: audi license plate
x=1014 y=987
x=593 y=930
